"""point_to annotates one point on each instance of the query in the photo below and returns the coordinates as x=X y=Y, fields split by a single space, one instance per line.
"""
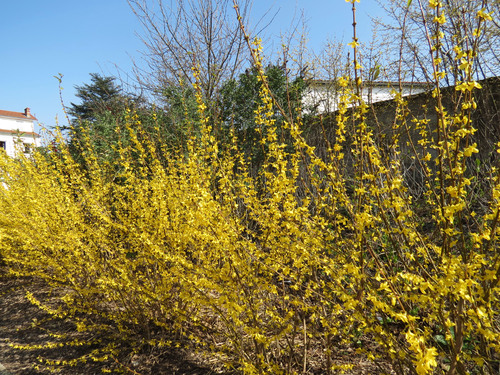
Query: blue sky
x=42 y=39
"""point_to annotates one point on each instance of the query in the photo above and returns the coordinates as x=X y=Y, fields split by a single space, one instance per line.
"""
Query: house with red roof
x=17 y=132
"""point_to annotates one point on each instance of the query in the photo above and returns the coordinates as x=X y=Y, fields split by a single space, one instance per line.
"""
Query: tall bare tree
x=411 y=50
x=180 y=34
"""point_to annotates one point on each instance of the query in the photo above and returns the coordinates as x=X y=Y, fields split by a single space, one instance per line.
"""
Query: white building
x=17 y=132
x=322 y=96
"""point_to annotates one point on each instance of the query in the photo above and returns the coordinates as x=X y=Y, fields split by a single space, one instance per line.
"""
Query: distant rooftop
x=374 y=83
x=26 y=115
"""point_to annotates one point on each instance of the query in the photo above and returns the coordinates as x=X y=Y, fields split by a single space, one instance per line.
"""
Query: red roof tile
x=20 y=115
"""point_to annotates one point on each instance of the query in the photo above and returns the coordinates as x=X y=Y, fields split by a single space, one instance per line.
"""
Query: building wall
x=16 y=124
x=323 y=97
x=320 y=132
x=19 y=135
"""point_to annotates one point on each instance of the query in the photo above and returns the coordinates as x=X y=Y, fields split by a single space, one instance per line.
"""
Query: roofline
x=17 y=115
x=20 y=132
x=373 y=83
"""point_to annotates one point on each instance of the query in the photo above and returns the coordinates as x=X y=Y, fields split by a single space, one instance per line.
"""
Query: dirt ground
x=23 y=324
x=32 y=342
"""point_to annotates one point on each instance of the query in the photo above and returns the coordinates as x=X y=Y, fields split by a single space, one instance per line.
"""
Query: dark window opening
x=2 y=144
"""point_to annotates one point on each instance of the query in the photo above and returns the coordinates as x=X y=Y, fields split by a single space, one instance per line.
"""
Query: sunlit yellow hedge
x=272 y=273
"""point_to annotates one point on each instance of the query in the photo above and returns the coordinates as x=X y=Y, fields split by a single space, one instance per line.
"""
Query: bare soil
x=35 y=342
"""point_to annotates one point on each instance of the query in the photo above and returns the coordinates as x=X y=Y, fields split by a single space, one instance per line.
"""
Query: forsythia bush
x=274 y=272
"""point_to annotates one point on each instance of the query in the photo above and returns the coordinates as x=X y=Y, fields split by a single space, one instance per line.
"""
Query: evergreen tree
x=102 y=95
x=240 y=99
x=102 y=107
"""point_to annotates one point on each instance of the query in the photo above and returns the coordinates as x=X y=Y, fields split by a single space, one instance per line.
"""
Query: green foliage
x=105 y=109
x=181 y=120
x=100 y=97
x=240 y=98
x=239 y=101
x=100 y=112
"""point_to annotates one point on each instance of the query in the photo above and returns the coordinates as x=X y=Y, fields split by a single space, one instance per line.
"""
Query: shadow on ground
x=33 y=342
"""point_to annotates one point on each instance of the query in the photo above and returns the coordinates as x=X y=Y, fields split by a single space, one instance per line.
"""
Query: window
x=2 y=144
x=27 y=147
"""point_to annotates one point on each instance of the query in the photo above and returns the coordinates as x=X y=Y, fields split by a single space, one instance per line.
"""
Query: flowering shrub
x=271 y=273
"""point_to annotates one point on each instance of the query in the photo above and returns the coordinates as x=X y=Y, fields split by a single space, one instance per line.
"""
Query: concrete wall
x=323 y=96
x=381 y=117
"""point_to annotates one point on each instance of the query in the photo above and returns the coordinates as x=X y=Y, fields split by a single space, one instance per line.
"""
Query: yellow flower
x=435 y=3
x=468 y=86
x=483 y=15
x=470 y=150
x=427 y=362
x=441 y=19
x=343 y=82
x=353 y=44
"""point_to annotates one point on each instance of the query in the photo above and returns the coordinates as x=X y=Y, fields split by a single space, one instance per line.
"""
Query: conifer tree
x=97 y=98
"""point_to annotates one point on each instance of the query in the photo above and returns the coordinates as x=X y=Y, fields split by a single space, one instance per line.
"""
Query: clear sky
x=42 y=39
